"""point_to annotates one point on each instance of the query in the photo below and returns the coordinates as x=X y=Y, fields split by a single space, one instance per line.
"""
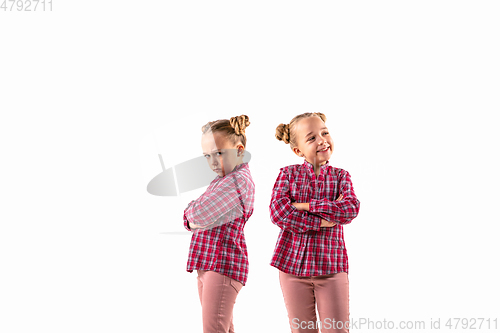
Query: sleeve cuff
x=316 y=224
x=313 y=206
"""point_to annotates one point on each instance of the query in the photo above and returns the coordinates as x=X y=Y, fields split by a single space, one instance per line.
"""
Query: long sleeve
x=222 y=200
x=186 y=222
x=343 y=211
x=284 y=214
x=224 y=209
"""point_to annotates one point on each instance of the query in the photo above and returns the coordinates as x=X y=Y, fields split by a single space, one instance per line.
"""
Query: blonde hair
x=233 y=129
x=286 y=132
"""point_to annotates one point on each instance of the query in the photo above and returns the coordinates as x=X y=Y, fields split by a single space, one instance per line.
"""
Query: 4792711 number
x=472 y=323
x=26 y=5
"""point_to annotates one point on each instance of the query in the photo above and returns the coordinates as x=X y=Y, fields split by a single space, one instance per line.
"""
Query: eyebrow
x=312 y=132
x=214 y=150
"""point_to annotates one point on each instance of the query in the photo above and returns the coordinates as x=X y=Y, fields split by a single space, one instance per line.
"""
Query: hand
x=193 y=226
x=301 y=205
x=328 y=224
x=305 y=205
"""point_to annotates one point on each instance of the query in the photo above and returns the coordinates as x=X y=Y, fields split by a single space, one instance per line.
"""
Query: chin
x=323 y=160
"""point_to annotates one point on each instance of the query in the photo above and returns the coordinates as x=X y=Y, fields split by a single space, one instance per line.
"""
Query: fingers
x=341 y=196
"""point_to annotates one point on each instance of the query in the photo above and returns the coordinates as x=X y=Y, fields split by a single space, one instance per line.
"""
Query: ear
x=298 y=152
x=240 y=149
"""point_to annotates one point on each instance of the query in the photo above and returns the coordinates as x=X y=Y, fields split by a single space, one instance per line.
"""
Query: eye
x=219 y=153
x=207 y=156
x=311 y=138
x=325 y=133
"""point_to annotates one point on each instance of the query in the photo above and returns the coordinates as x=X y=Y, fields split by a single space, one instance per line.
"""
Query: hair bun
x=239 y=124
x=283 y=133
x=322 y=116
x=207 y=126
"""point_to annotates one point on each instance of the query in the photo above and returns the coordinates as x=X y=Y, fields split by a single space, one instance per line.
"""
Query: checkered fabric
x=303 y=247
x=222 y=211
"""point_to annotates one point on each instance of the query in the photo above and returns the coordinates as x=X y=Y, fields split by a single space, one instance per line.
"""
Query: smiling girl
x=218 y=250
x=311 y=202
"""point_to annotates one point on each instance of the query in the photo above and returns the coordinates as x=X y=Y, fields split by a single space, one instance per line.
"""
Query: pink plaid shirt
x=303 y=247
x=223 y=211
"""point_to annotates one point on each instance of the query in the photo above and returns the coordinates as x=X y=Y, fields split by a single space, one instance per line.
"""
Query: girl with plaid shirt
x=218 y=250
x=311 y=202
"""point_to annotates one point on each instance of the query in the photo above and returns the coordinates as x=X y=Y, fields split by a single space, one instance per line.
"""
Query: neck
x=236 y=165
x=317 y=168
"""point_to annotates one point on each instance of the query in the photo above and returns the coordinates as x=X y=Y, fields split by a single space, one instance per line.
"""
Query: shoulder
x=290 y=173
x=291 y=169
x=243 y=174
x=339 y=172
x=243 y=171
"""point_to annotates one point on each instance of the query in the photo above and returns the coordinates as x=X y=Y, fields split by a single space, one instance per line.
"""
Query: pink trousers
x=217 y=297
x=328 y=293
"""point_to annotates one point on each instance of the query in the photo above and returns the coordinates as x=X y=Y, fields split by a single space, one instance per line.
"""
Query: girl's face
x=313 y=141
x=221 y=154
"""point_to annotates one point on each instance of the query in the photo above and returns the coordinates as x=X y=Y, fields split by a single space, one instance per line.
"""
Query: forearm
x=226 y=197
x=190 y=225
x=287 y=217
x=301 y=205
x=184 y=217
x=201 y=221
x=207 y=210
x=342 y=212
x=200 y=214
x=326 y=218
x=193 y=227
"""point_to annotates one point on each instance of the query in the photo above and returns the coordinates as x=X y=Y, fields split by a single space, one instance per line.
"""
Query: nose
x=215 y=161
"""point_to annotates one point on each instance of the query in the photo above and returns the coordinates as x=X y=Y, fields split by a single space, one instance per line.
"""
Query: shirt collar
x=236 y=168
x=239 y=166
x=310 y=167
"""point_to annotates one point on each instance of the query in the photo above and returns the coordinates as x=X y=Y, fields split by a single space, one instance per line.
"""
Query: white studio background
x=93 y=91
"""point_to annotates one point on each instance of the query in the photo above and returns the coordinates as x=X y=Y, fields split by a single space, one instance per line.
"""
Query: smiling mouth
x=323 y=150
